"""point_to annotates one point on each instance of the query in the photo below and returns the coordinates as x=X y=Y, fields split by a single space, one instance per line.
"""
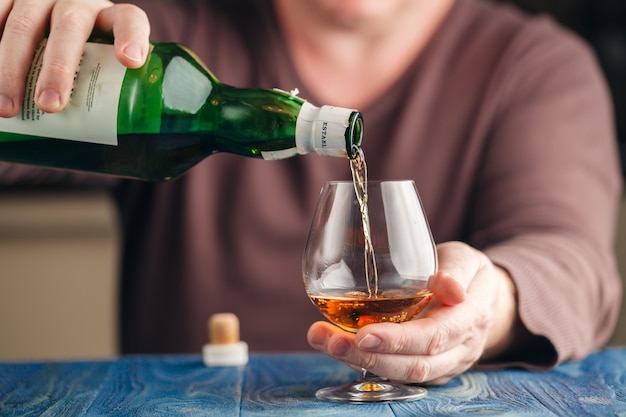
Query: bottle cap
x=224 y=348
x=329 y=130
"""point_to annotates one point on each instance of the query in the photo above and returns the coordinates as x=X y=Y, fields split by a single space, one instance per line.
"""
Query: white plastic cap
x=232 y=354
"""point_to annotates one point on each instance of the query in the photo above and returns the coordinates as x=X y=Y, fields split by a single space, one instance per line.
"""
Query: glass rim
x=331 y=182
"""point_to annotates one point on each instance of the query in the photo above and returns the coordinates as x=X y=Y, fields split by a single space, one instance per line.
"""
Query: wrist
x=506 y=322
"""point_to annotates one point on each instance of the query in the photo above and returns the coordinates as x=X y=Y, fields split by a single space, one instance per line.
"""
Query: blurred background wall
x=58 y=275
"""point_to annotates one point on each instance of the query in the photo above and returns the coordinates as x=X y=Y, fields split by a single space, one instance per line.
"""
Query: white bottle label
x=91 y=114
x=276 y=155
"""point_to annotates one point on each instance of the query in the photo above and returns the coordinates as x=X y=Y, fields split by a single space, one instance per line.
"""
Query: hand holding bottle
x=70 y=23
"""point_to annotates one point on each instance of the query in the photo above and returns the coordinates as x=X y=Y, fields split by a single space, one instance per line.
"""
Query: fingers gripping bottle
x=156 y=122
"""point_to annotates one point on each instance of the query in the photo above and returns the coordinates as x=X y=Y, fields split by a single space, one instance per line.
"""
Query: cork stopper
x=224 y=347
x=223 y=329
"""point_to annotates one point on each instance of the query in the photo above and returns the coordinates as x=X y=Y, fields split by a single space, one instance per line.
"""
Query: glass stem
x=363 y=374
x=370 y=383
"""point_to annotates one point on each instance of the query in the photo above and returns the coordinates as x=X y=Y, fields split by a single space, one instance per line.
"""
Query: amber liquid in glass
x=354 y=309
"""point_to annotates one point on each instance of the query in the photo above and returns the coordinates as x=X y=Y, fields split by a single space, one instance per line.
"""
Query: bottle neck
x=173 y=94
x=329 y=130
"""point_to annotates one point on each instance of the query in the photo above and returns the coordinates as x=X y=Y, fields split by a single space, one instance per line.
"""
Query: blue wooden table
x=285 y=385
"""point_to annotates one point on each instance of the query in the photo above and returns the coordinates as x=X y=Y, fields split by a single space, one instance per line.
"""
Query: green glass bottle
x=156 y=122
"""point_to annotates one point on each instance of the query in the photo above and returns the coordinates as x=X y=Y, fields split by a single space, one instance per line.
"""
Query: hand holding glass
x=372 y=266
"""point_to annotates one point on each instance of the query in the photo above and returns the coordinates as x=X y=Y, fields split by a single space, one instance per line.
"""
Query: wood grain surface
x=285 y=385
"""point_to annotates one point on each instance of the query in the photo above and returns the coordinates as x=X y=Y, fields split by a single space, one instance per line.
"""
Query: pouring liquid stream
x=359 y=179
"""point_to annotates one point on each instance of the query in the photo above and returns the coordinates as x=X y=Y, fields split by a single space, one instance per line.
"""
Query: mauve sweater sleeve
x=549 y=191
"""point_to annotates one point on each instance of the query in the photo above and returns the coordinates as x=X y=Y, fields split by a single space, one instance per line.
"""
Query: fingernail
x=6 y=104
x=370 y=342
x=133 y=52
x=340 y=348
x=50 y=99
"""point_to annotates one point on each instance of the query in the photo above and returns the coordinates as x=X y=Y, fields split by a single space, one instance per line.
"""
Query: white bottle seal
x=224 y=348
x=322 y=130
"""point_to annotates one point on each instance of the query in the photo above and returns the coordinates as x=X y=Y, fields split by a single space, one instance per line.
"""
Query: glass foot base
x=374 y=390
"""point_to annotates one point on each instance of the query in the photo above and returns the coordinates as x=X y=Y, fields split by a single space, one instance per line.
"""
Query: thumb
x=446 y=289
x=458 y=265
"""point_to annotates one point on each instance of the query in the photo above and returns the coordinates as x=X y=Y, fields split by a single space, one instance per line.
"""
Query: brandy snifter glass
x=368 y=260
